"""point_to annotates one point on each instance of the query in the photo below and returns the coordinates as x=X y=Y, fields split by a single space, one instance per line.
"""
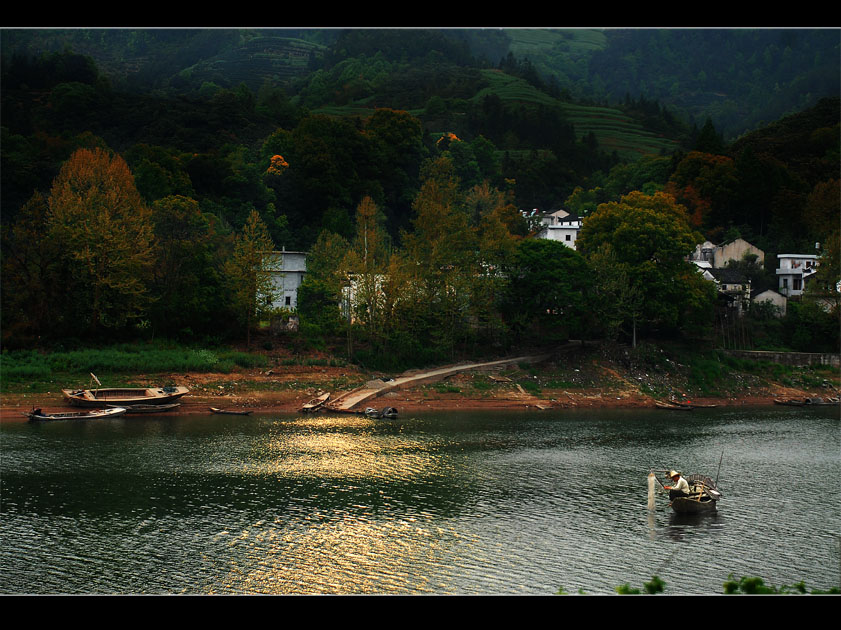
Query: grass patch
x=32 y=369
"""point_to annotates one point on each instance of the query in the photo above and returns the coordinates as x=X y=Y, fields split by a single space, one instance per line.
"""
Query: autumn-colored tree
x=103 y=230
x=441 y=252
x=706 y=185
x=366 y=264
x=250 y=286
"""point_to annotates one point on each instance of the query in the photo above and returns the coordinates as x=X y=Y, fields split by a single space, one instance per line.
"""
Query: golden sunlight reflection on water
x=354 y=550
x=313 y=449
x=351 y=555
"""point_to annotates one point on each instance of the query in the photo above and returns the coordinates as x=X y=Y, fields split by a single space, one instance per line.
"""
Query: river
x=431 y=503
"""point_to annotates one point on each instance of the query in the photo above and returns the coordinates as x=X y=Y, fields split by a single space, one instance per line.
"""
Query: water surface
x=445 y=503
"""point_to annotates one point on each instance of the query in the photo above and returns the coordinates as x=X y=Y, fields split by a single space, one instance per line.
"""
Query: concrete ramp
x=373 y=389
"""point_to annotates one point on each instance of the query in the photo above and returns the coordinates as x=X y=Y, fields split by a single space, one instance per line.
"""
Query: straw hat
x=673 y=474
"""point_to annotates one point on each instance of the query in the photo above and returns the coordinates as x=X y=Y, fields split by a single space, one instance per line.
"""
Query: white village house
x=286 y=271
x=561 y=226
x=793 y=272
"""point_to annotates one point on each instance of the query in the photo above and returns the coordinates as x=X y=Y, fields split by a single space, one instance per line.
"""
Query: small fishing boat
x=123 y=396
x=232 y=412
x=386 y=412
x=673 y=406
x=703 y=496
x=36 y=415
x=816 y=400
x=144 y=408
x=789 y=402
x=316 y=402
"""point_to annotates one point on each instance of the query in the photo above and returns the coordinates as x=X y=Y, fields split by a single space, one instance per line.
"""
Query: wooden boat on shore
x=678 y=405
x=673 y=406
x=811 y=401
x=316 y=403
x=702 y=499
x=36 y=415
x=232 y=412
x=144 y=408
x=123 y=396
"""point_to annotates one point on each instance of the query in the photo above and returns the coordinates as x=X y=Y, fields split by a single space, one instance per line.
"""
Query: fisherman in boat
x=681 y=487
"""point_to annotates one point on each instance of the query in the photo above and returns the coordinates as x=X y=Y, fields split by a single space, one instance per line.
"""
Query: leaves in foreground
x=745 y=585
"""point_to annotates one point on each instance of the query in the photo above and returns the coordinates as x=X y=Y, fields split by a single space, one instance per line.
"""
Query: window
x=569 y=238
x=288 y=300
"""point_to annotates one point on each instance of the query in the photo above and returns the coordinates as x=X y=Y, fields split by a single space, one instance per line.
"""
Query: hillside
x=741 y=78
x=434 y=144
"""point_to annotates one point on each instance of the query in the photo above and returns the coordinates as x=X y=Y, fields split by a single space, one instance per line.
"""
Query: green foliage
x=251 y=288
x=74 y=366
x=547 y=292
x=745 y=585
x=199 y=139
x=649 y=237
x=756 y=586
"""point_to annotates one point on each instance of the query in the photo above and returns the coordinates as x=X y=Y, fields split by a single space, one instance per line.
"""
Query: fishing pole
x=719 y=468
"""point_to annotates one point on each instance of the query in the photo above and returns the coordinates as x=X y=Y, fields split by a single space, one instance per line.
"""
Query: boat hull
x=76 y=415
x=684 y=505
x=124 y=396
x=148 y=408
x=231 y=412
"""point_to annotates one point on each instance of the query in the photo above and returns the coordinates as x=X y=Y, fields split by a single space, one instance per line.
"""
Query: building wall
x=736 y=250
x=775 y=298
x=287 y=271
x=792 y=271
x=565 y=234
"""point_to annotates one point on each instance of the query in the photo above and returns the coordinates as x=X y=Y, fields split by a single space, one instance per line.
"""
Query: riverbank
x=579 y=378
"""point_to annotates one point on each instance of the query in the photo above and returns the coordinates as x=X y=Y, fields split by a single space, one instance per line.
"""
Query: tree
x=250 y=286
x=366 y=264
x=614 y=300
x=321 y=292
x=185 y=279
x=103 y=230
x=706 y=184
x=547 y=287
x=821 y=214
x=33 y=289
x=650 y=235
x=441 y=251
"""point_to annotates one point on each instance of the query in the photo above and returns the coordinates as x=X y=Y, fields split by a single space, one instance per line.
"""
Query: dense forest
x=144 y=172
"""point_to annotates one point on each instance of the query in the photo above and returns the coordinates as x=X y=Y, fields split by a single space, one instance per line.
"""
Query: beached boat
x=123 y=396
x=673 y=406
x=816 y=400
x=232 y=412
x=789 y=403
x=679 y=404
x=145 y=408
x=36 y=415
x=703 y=496
x=386 y=412
x=316 y=402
